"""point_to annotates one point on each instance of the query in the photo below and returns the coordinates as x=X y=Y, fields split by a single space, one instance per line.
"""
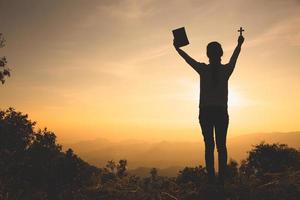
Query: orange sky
x=88 y=69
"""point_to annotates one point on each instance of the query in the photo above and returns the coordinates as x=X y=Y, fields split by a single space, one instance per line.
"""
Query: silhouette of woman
x=213 y=114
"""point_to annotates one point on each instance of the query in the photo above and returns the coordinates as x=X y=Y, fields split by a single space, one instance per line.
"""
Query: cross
x=241 y=31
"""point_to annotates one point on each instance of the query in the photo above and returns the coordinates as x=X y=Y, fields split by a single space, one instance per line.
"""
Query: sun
x=234 y=99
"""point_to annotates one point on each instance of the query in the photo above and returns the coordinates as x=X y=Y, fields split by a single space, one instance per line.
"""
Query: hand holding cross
x=241 y=31
x=241 y=38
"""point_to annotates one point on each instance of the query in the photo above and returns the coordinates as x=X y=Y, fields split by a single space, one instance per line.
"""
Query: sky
x=108 y=69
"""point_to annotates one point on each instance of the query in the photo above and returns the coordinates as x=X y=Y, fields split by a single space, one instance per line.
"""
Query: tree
x=121 y=168
x=45 y=139
x=16 y=131
x=192 y=174
x=153 y=173
x=271 y=158
x=111 y=165
x=33 y=165
x=4 y=71
x=232 y=170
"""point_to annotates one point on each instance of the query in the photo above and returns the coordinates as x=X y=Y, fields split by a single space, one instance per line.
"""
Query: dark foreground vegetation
x=33 y=166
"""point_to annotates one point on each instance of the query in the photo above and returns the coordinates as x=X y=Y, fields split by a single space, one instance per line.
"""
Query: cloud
x=284 y=33
x=118 y=10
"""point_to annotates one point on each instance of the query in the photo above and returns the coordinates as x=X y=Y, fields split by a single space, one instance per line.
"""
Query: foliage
x=4 y=71
x=271 y=158
x=33 y=166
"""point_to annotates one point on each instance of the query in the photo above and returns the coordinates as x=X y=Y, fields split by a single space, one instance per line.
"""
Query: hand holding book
x=180 y=38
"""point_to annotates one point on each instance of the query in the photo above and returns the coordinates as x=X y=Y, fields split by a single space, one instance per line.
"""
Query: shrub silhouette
x=4 y=71
x=33 y=165
x=189 y=174
x=271 y=158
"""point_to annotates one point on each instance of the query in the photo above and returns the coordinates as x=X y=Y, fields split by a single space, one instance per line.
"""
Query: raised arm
x=193 y=63
x=235 y=54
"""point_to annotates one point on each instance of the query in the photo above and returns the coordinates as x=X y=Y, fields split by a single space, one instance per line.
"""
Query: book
x=180 y=37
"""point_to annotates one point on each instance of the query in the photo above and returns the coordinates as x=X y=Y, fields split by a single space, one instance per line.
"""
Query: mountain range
x=169 y=156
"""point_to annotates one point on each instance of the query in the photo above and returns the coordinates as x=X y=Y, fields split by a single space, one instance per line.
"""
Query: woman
x=213 y=114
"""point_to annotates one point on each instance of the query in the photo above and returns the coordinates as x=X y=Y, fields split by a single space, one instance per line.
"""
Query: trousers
x=214 y=119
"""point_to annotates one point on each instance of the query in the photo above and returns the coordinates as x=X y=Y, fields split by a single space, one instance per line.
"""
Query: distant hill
x=167 y=154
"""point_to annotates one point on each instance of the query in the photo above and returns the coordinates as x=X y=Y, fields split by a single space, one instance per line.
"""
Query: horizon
x=145 y=153
x=109 y=69
x=175 y=141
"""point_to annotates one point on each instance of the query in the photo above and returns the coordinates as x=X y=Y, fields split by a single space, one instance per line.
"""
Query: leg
x=221 y=133
x=207 y=132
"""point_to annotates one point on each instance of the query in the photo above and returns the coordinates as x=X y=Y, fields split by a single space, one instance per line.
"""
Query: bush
x=271 y=158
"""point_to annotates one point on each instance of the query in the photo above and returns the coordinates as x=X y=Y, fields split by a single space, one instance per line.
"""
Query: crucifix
x=241 y=31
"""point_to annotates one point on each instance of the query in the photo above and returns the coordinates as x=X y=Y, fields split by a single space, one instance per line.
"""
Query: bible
x=180 y=37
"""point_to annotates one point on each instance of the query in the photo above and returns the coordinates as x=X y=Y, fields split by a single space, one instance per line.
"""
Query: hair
x=214 y=51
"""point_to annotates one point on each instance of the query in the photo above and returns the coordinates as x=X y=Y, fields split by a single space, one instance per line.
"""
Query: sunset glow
x=234 y=99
